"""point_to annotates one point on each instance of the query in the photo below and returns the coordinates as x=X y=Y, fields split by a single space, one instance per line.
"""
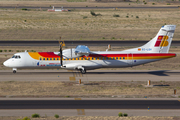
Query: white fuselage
x=93 y=61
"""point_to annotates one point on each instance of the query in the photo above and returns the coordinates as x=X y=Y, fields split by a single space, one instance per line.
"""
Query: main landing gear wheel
x=14 y=71
x=83 y=71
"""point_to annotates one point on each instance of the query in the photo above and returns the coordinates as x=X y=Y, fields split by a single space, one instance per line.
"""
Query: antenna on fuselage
x=61 y=45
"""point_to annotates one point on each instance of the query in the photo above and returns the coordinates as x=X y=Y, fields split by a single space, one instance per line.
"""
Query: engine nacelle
x=70 y=53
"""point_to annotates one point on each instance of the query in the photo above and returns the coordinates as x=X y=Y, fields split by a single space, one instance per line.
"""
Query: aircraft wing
x=82 y=50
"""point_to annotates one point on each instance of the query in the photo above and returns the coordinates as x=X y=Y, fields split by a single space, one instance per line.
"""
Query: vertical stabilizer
x=162 y=42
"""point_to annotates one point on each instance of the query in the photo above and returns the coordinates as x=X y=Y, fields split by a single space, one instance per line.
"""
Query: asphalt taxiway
x=91 y=75
x=89 y=104
x=75 y=43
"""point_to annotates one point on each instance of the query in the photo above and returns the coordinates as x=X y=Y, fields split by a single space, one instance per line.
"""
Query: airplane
x=82 y=59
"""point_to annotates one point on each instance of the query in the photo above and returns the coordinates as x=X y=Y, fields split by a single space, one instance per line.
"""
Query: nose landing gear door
x=130 y=59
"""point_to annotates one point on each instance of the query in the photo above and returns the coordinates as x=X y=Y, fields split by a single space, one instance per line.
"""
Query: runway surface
x=35 y=7
x=75 y=43
x=93 y=75
x=89 y=104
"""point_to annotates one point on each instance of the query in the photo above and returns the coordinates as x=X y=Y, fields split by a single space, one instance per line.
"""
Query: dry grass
x=95 y=118
x=43 y=25
x=89 y=89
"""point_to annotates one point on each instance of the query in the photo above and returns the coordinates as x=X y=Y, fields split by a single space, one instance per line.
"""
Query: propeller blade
x=61 y=45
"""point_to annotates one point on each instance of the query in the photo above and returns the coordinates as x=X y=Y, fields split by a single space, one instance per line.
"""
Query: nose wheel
x=14 y=71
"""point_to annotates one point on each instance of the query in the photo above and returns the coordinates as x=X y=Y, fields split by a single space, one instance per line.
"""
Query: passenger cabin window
x=40 y=59
x=50 y=58
x=54 y=59
x=43 y=58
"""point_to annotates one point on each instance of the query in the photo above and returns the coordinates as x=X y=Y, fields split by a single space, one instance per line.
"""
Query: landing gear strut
x=14 y=70
x=83 y=71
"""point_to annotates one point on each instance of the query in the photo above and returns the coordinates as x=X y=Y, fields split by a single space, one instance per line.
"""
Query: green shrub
x=24 y=9
x=113 y=38
x=0 y=50
x=5 y=50
x=86 y=6
x=94 y=14
x=153 y=3
x=120 y=114
x=145 y=3
x=168 y=4
x=26 y=118
x=98 y=14
x=35 y=115
x=84 y=17
x=56 y=116
x=24 y=20
x=10 y=50
x=115 y=15
x=125 y=114
x=103 y=38
x=127 y=16
x=137 y=16
x=33 y=51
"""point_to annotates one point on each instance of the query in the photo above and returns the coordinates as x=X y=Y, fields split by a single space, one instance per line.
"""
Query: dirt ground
x=95 y=118
x=119 y=89
x=133 y=24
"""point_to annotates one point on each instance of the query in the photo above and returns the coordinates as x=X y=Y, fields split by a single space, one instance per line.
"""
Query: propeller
x=61 y=45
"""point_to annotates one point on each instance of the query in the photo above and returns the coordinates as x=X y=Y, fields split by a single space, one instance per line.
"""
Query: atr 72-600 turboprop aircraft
x=81 y=58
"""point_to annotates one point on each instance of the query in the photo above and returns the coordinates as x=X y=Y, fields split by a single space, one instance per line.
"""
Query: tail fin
x=159 y=44
x=162 y=42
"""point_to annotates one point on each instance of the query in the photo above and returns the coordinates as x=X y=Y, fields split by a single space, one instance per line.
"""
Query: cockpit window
x=16 y=56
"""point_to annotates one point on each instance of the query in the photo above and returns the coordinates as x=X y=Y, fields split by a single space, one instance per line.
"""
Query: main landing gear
x=83 y=71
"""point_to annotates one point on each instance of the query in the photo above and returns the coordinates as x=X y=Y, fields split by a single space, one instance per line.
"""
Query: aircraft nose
x=6 y=63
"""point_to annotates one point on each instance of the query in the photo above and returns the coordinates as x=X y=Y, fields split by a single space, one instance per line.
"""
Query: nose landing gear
x=14 y=70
